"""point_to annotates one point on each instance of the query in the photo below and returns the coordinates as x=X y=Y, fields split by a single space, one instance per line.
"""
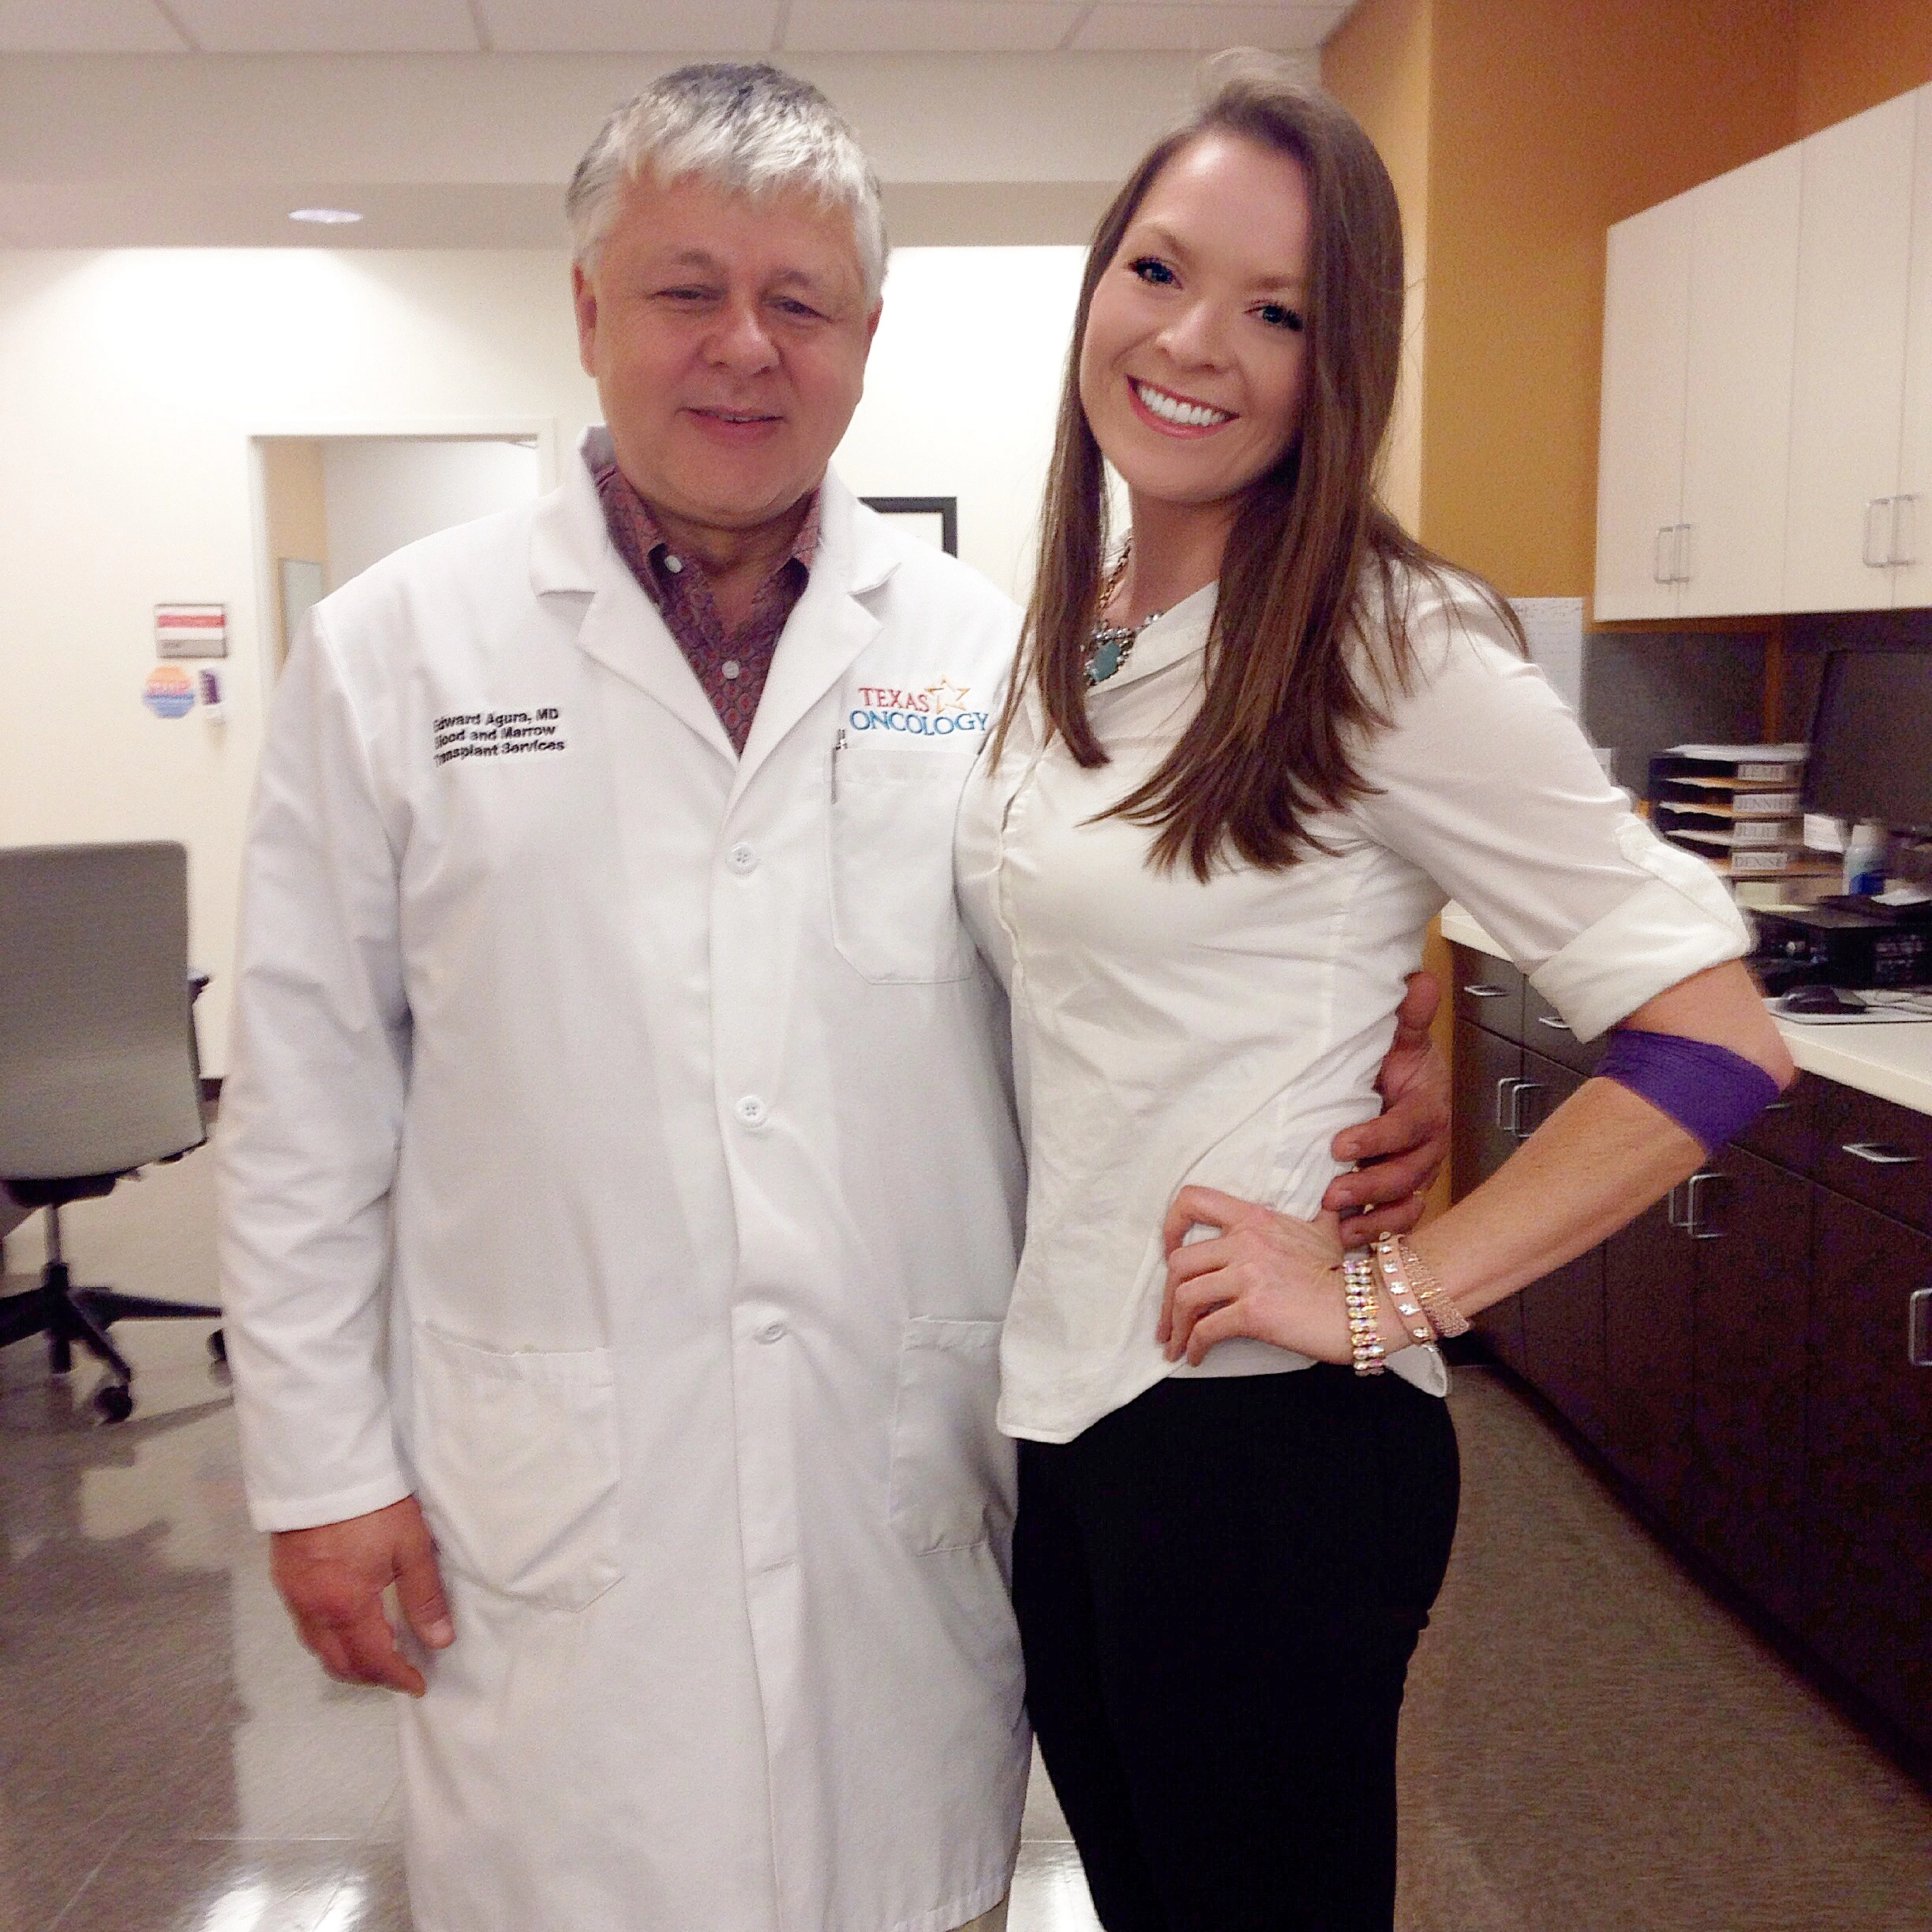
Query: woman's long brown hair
x=1311 y=550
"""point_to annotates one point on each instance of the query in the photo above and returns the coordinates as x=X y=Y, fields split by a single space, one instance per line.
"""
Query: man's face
x=727 y=339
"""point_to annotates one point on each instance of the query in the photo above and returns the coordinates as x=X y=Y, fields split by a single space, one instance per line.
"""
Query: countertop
x=1891 y=1060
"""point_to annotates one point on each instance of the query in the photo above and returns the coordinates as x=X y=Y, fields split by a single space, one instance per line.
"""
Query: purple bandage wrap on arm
x=1711 y=1092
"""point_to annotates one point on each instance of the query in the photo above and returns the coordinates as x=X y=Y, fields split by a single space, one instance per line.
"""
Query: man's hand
x=332 y=1578
x=1405 y=1146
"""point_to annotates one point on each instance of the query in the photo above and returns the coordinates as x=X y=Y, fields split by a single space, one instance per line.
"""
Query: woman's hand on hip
x=1250 y=1271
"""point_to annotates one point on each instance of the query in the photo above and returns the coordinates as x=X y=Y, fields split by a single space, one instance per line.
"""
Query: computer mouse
x=1821 y=999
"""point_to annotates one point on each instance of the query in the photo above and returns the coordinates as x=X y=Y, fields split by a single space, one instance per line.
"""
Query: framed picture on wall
x=934 y=518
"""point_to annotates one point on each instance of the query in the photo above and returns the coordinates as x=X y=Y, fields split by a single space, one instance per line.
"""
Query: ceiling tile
x=629 y=26
x=1144 y=25
x=86 y=26
x=928 y=26
x=341 y=27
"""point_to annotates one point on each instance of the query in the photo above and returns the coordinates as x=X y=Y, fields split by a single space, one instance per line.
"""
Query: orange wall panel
x=1854 y=54
x=1549 y=121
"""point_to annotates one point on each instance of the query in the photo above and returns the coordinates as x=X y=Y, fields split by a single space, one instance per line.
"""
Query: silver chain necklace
x=1113 y=644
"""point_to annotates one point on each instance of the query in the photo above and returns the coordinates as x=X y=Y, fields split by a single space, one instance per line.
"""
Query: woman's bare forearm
x=1599 y=1160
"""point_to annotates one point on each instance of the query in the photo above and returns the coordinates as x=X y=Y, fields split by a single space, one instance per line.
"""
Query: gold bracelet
x=1391 y=1259
x=1449 y=1319
x=1358 y=1289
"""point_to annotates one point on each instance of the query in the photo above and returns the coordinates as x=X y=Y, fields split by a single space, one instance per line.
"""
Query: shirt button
x=731 y=667
x=674 y=564
x=751 y=1111
x=772 y=1331
x=743 y=859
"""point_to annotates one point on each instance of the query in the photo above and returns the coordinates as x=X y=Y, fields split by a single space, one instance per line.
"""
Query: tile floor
x=1591 y=1744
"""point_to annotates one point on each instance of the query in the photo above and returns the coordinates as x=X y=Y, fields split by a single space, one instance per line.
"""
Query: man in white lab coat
x=620 y=1183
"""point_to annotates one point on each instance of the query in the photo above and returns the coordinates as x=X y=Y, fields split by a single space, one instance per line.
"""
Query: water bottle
x=1864 y=859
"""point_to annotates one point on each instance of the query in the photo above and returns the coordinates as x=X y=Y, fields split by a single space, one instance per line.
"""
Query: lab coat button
x=752 y=1111
x=772 y=1331
x=743 y=858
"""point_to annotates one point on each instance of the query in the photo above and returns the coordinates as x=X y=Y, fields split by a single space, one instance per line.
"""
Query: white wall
x=131 y=385
x=381 y=492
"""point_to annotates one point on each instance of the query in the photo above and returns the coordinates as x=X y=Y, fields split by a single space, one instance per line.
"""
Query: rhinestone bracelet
x=1448 y=1319
x=1358 y=1280
x=1391 y=1257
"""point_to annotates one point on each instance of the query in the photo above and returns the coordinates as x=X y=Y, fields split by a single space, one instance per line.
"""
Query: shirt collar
x=630 y=518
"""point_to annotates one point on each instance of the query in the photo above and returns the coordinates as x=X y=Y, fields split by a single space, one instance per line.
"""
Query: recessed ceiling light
x=328 y=216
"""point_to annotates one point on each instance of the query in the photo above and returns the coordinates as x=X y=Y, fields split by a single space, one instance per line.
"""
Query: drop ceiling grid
x=656 y=26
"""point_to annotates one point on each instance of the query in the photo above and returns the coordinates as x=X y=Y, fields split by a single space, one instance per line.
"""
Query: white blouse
x=1168 y=1031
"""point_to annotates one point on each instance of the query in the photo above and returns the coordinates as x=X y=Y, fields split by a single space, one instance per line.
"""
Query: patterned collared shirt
x=731 y=665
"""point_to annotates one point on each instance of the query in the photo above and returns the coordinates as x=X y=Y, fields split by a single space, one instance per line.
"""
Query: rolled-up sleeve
x=1485 y=779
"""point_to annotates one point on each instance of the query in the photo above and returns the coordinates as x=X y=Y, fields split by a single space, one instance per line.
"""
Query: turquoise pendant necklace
x=1113 y=644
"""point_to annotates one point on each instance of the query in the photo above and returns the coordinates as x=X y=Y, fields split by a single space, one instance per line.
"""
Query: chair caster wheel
x=113 y=1402
x=218 y=1347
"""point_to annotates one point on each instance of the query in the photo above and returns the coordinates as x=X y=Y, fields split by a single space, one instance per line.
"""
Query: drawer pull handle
x=1880 y=1153
x=1554 y=1024
x=1918 y=1329
x=1777 y=1107
x=1482 y=990
x=1692 y=1222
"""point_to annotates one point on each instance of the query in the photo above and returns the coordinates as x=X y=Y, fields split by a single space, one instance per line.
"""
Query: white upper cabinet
x=1848 y=396
x=1737 y=412
x=1640 y=455
x=1912 y=575
x=1767 y=396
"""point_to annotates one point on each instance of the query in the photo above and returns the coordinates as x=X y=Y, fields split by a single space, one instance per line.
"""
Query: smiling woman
x=1246 y=757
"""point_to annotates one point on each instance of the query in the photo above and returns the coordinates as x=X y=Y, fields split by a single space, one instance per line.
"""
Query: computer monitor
x=1871 y=739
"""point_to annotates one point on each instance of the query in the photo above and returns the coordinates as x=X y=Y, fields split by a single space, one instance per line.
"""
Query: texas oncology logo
x=937 y=711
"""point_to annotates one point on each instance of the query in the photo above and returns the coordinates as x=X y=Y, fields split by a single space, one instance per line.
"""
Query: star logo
x=947 y=696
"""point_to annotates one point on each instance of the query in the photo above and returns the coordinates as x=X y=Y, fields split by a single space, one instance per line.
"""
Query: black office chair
x=98 y=1073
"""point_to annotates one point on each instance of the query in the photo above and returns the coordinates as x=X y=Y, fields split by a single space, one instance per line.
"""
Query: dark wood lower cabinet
x=1487 y=1067
x=1867 y=1510
x=1648 y=1271
x=1747 y=1433
x=1739 y=1355
x=1562 y=1314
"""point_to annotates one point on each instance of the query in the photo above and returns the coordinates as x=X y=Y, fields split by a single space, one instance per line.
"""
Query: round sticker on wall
x=169 y=692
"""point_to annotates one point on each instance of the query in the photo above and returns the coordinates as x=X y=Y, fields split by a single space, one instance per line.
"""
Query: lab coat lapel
x=830 y=627
x=571 y=554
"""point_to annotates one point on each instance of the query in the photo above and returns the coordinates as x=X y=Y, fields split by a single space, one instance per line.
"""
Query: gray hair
x=743 y=125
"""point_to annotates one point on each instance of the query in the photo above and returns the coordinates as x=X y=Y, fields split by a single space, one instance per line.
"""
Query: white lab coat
x=619 y=1154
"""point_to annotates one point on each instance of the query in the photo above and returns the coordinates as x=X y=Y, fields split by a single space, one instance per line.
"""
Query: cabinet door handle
x=1483 y=989
x=1918 y=1329
x=1660 y=569
x=1517 y=1130
x=1506 y=1090
x=1880 y=1153
x=1681 y=573
x=1693 y=1225
x=1903 y=547
x=1554 y=1024
x=1871 y=533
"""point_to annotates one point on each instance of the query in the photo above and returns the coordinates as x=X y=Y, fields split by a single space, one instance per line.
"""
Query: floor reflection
x=1589 y=1741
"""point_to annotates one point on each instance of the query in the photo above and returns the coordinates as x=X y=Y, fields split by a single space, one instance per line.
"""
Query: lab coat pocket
x=516 y=1461
x=892 y=813
x=953 y=1472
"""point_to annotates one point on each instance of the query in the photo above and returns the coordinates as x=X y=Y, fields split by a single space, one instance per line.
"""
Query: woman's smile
x=1178 y=414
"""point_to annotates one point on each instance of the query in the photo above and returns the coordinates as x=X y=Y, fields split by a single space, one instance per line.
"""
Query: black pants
x=1218 y=1589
